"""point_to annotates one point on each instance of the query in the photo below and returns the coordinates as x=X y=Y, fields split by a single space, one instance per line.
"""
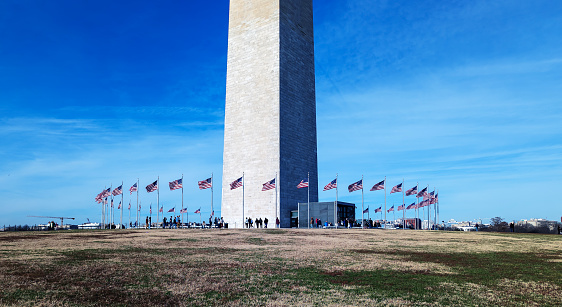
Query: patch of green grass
x=256 y=241
x=274 y=231
x=20 y=295
x=183 y=240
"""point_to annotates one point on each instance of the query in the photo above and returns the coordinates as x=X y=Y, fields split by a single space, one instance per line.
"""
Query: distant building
x=323 y=211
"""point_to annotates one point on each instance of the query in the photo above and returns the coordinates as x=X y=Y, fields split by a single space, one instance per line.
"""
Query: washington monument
x=270 y=113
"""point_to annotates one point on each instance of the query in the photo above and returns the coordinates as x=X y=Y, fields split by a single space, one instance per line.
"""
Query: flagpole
x=308 y=201
x=403 y=204
x=129 y=212
x=384 y=202
x=336 y=206
x=158 y=199
x=103 y=210
x=276 y=215
x=437 y=206
x=182 y=197
x=138 y=213
x=416 y=209
x=110 y=209
x=122 y=204
x=362 y=206
x=427 y=207
x=243 y=184
x=212 y=210
x=150 y=214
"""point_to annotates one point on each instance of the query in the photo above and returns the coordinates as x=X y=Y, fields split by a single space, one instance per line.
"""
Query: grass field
x=279 y=267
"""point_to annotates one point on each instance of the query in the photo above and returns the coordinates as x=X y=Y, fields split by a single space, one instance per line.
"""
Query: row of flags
x=174 y=185
x=266 y=186
x=430 y=201
x=356 y=186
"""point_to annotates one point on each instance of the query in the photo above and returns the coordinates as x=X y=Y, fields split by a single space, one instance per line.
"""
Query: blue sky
x=463 y=96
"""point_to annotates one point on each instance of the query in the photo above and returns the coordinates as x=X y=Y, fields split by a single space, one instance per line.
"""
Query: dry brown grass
x=275 y=268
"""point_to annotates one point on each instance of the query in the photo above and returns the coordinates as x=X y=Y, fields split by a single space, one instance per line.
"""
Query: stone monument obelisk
x=270 y=114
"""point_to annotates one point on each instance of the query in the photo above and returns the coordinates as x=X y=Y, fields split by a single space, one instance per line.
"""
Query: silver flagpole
x=384 y=202
x=428 y=220
x=336 y=206
x=243 y=213
x=416 y=211
x=182 y=197
x=362 y=205
x=308 y=201
x=138 y=203
x=212 y=210
x=276 y=214
x=122 y=204
x=158 y=199
x=403 y=208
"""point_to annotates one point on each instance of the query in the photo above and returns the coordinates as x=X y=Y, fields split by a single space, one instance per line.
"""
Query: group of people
x=260 y=223
x=257 y=223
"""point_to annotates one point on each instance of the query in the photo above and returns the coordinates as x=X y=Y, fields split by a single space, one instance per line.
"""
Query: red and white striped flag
x=378 y=186
x=236 y=184
x=133 y=188
x=205 y=184
x=356 y=186
x=118 y=190
x=332 y=185
x=396 y=189
x=303 y=184
x=176 y=184
x=269 y=185
x=412 y=191
x=152 y=187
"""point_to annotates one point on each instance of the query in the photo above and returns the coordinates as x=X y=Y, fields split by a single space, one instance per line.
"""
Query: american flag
x=176 y=184
x=98 y=198
x=118 y=190
x=390 y=209
x=303 y=183
x=198 y=210
x=205 y=184
x=422 y=193
x=129 y=205
x=150 y=208
x=133 y=188
x=424 y=203
x=378 y=186
x=112 y=203
x=152 y=187
x=236 y=184
x=331 y=185
x=412 y=191
x=184 y=210
x=412 y=206
x=119 y=206
x=172 y=210
x=161 y=209
x=139 y=207
x=212 y=213
x=106 y=193
x=366 y=210
x=435 y=199
x=401 y=207
x=396 y=188
x=379 y=209
x=355 y=186
x=269 y=185
x=429 y=196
